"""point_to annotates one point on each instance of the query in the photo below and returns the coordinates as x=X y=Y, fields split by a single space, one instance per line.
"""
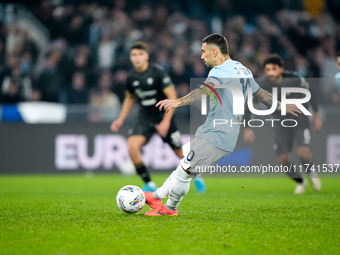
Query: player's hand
x=292 y=109
x=168 y=104
x=116 y=125
x=163 y=128
x=317 y=122
x=249 y=135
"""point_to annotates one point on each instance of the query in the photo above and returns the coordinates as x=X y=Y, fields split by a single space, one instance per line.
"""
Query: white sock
x=179 y=188
x=163 y=191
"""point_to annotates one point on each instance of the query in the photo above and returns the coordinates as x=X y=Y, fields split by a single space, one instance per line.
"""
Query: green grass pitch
x=77 y=214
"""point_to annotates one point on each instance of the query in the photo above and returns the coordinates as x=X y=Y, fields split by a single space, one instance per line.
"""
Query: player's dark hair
x=139 y=46
x=274 y=59
x=219 y=40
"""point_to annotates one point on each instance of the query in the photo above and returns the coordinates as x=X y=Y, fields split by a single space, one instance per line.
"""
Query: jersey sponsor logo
x=136 y=83
x=149 y=102
x=149 y=81
x=141 y=94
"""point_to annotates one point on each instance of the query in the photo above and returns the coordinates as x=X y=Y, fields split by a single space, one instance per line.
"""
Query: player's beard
x=210 y=64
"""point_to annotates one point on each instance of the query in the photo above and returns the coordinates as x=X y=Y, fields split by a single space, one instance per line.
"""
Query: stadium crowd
x=88 y=56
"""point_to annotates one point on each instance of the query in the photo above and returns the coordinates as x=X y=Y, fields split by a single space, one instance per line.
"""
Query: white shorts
x=199 y=152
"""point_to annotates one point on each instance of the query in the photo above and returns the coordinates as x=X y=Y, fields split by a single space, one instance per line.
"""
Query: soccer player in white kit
x=210 y=143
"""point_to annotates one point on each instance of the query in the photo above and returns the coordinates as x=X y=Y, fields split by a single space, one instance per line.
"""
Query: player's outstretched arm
x=193 y=97
x=266 y=98
x=126 y=108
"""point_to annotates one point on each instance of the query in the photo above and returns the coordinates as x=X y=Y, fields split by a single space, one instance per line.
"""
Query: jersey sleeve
x=253 y=85
x=165 y=79
x=128 y=86
x=214 y=77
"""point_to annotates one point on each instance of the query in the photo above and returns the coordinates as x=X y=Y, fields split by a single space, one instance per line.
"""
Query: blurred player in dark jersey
x=148 y=83
x=285 y=136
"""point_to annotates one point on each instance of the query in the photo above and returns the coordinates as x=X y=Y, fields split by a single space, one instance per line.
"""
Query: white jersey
x=224 y=136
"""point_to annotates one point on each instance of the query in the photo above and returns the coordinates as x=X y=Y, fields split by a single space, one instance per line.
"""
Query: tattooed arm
x=266 y=98
x=193 y=97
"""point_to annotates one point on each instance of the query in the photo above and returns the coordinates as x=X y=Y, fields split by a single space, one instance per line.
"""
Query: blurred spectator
x=78 y=93
x=182 y=89
x=26 y=63
x=81 y=64
x=98 y=27
x=102 y=95
x=16 y=87
x=301 y=66
x=106 y=52
x=51 y=81
x=76 y=32
x=44 y=13
x=2 y=58
x=177 y=72
x=15 y=39
x=12 y=61
x=105 y=102
x=29 y=47
x=199 y=69
x=59 y=49
x=11 y=94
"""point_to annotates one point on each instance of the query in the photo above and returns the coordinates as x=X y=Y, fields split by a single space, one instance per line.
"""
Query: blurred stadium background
x=63 y=64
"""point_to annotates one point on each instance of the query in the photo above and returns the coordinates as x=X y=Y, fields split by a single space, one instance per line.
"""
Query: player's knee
x=304 y=154
x=284 y=159
x=133 y=148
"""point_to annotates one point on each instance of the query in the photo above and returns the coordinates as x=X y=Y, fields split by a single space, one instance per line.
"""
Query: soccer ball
x=130 y=199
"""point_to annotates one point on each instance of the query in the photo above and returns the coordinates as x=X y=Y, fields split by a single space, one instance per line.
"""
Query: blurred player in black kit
x=148 y=83
x=285 y=136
